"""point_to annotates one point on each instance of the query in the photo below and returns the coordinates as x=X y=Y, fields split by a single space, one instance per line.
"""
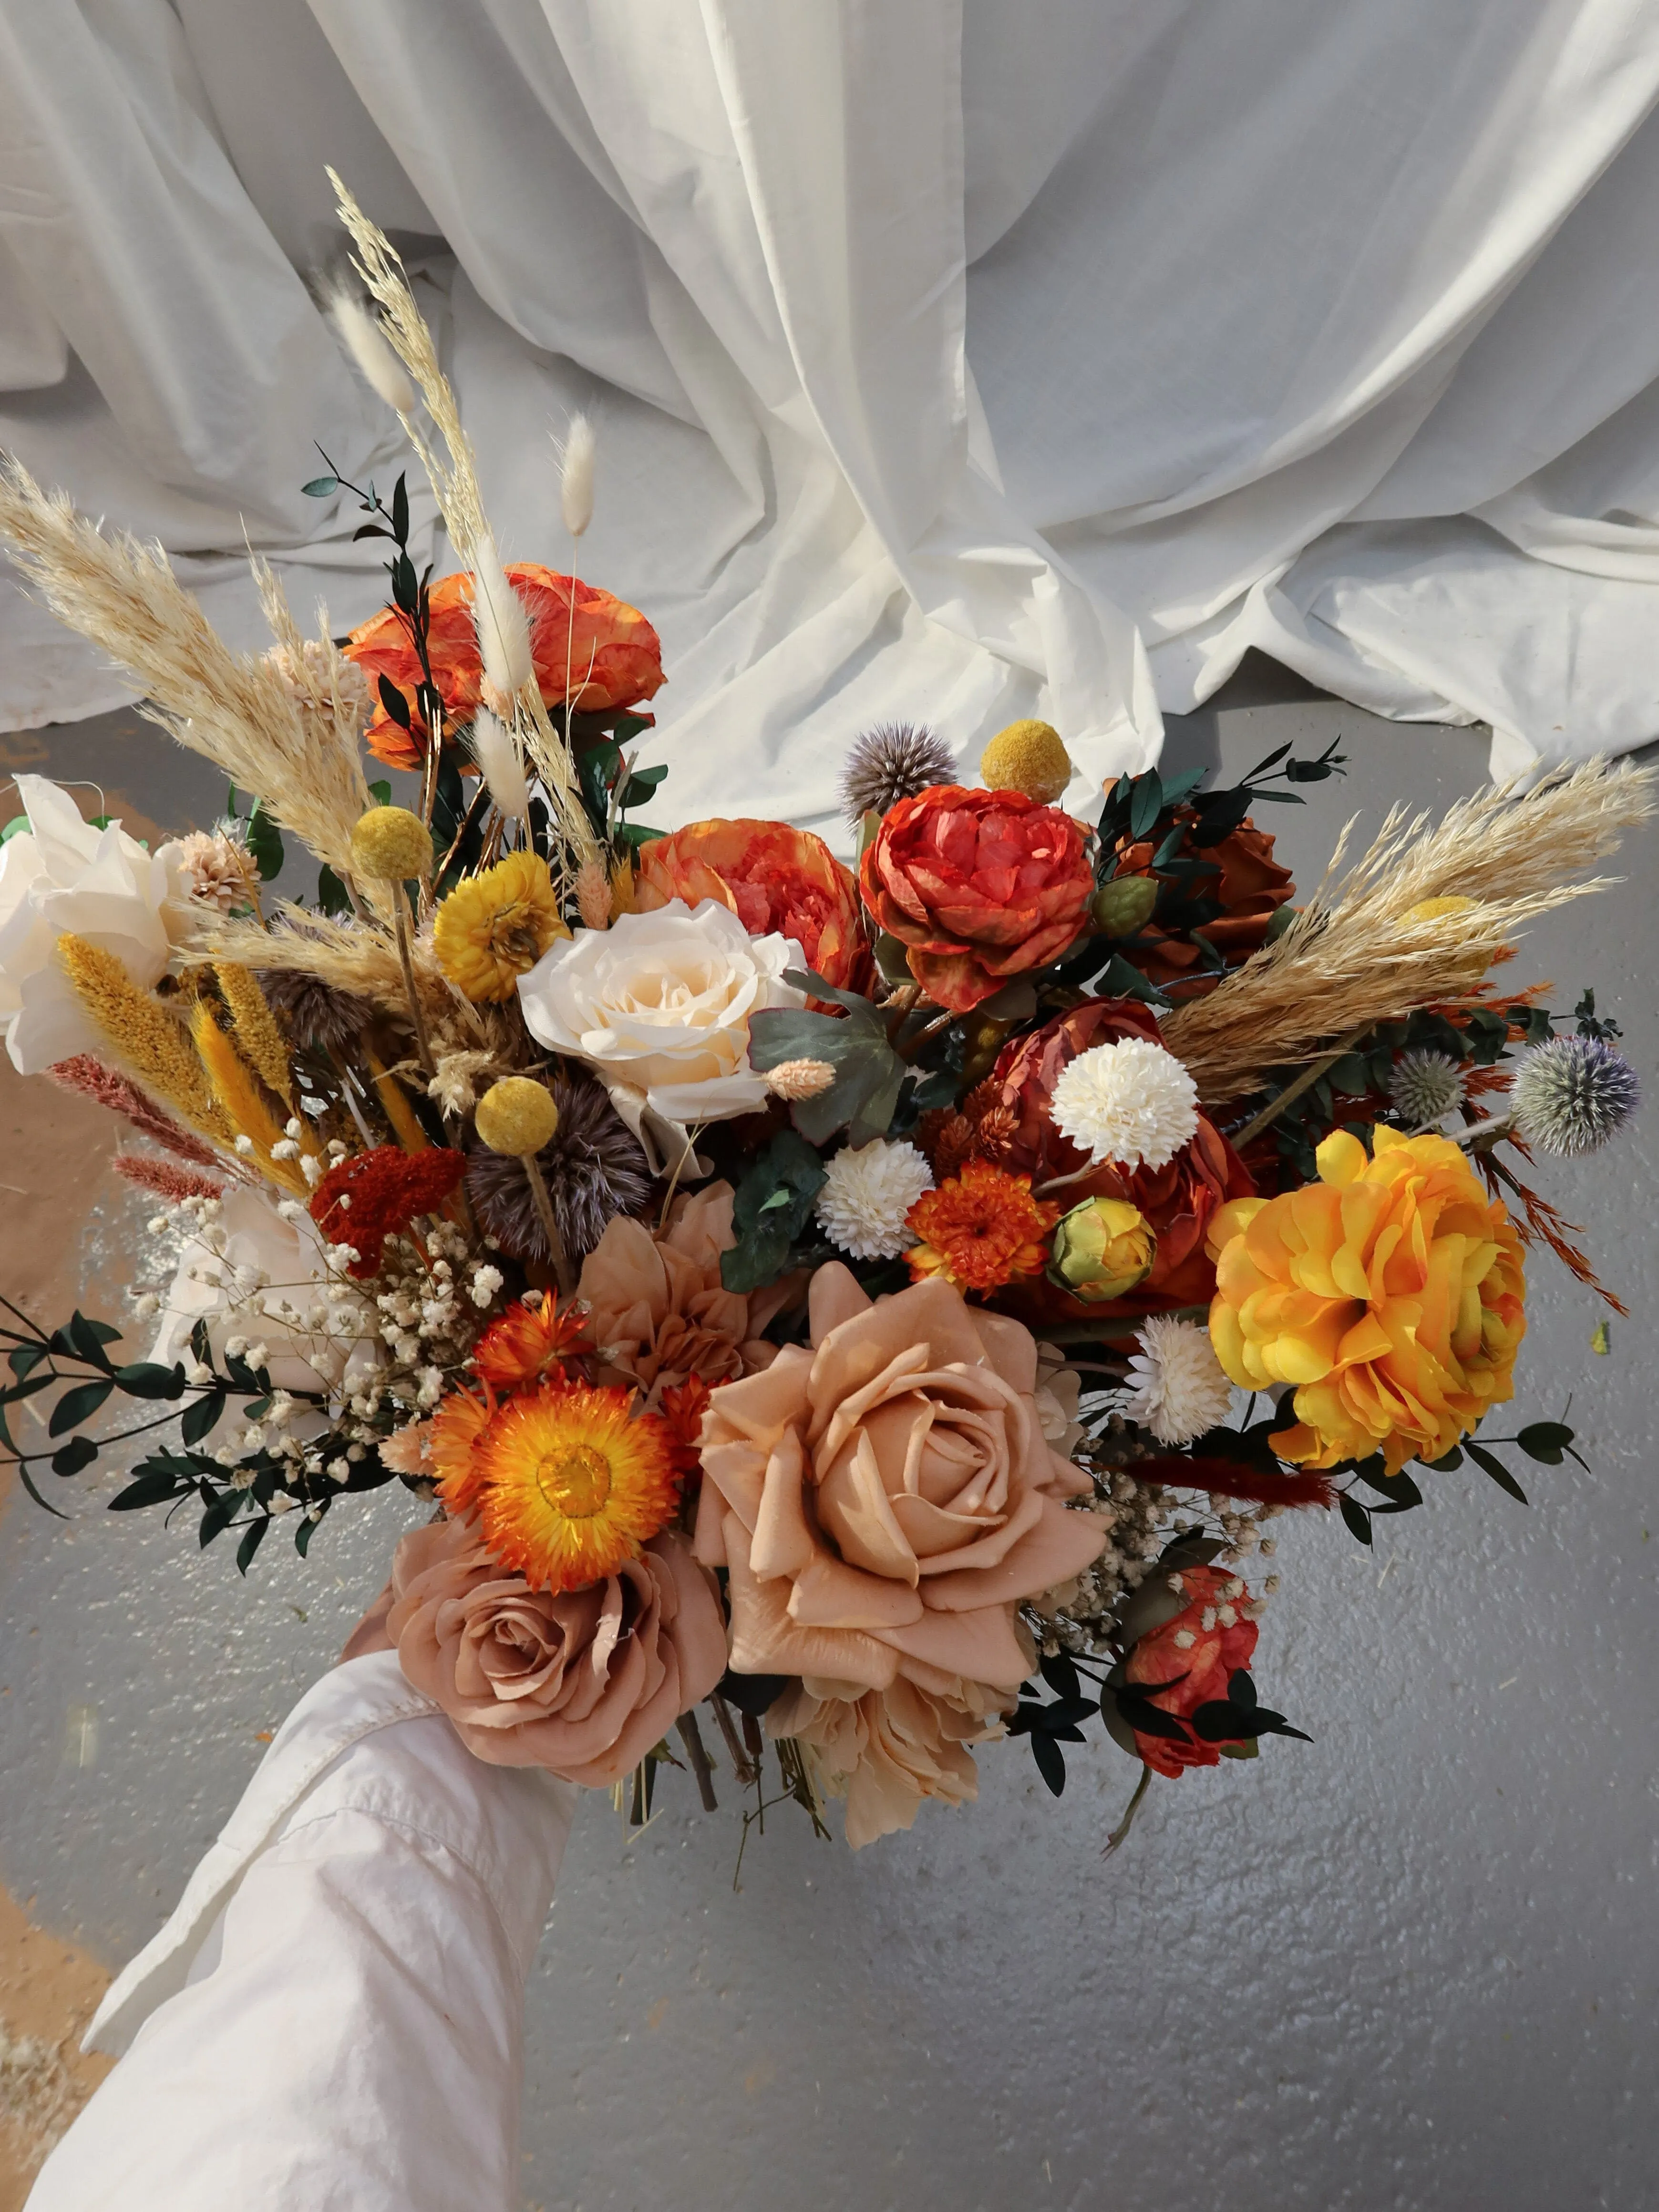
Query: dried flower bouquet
x=843 y=1318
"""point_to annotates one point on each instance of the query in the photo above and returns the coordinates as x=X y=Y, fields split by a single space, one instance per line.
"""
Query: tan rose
x=886 y=1751
x=583 y=1682
x=884 y=1500
x=661 y=1312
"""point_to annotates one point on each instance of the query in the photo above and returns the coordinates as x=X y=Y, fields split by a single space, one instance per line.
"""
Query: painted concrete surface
x=1412 y=1966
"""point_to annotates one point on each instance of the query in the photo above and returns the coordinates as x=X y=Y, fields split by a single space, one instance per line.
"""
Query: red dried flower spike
x=374 y=1195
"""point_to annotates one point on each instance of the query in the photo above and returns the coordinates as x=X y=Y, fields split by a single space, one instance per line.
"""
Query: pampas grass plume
x=497 y=756
x=503 y=627
x=576 y=476
x=359 y=331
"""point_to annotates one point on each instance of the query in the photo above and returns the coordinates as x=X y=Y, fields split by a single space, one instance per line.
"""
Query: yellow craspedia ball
x=1027 y=756
x=389 y=845
x=516 y=1116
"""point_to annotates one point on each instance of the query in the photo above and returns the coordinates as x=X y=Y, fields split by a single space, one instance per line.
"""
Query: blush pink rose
x=884 y=1500
x=582 y=1682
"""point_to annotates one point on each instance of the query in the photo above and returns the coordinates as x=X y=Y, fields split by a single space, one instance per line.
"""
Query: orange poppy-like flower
x=1247 y=889
x=772 y=878
x=1178 y=1201
x=980 y=1229
x=1391 y=1293
x=460 y=1420
x=527 y=1344
x=569 y=1481
x=978 y=886
x=608 y=650
x=1198 y=1670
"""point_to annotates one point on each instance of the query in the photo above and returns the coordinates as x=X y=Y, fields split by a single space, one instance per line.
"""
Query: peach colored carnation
x=888 y=1750
x=659 y=1313
x=884 y=1500
x=583 y=1682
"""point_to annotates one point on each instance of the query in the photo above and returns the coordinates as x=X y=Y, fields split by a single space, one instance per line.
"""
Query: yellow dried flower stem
x=394 y=1104
x=518 y=1117
x=238 y=1095
x=141 y=1034
x=256 y=1032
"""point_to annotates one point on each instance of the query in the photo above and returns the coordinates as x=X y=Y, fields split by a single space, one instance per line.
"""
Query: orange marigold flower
x=980 y=1229
x=772 y=878
x=572 y=1482
x=527 y=1343
x=459 y=1421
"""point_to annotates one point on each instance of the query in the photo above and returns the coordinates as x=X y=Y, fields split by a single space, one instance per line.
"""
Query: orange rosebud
x=611 y=652
x=772 y=878
x=978 y=886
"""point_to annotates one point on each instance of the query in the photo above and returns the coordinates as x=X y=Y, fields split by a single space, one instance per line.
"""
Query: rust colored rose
x=1178 y=1201
x=582 y=1682
x=1246 y=890
x=772 y=878
x=978 y=886
x=884 y=1500
x=1199 y=1671
x=614 y=656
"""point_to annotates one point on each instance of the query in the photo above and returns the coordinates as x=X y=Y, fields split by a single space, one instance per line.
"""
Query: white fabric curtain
x=952 y=360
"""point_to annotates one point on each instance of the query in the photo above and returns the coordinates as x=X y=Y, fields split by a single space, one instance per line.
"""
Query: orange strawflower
x=527 y=1344
x=571 y=1482
x=980 y=1229
x=451 y=1433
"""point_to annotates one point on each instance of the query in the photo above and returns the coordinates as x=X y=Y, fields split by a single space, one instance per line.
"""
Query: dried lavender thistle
x=594 y=1166
x=892 y=762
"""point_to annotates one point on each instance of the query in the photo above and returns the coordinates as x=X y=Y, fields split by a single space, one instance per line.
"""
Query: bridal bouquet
x=842 y=1317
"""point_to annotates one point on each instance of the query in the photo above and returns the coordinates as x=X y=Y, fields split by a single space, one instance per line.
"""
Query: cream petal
x=766 y=1641
x=1010 y=1348
x=932 y=1533
x=782 y=1542
x=985 y=1542
x=979 y=1645
x=836 y=1297
x=1058 y=1546
x=829 y=1594
x=853 y=1506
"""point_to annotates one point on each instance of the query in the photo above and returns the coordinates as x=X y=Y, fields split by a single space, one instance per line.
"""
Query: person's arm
x=333 y=2017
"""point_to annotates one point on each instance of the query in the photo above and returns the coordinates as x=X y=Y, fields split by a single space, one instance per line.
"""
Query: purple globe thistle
x=1572 y=1095
x=893 y=762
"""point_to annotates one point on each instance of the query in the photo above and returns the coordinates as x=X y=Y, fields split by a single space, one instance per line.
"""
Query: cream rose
x=63 y=874
x=582 y=1682
x=660 y=1005
x=884 y=1500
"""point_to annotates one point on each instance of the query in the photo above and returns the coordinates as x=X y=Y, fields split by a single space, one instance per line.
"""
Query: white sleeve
x=333 y=2017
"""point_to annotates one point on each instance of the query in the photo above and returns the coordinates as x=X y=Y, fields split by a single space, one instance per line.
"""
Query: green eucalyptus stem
x=1293 y=1090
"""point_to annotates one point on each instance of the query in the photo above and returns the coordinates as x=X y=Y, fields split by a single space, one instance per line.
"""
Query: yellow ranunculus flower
x=1102 y=1249
x=494 y=928
x=1390 y=1293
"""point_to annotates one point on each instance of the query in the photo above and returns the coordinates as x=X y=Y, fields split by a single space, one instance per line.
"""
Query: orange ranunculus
x=1197 y=1671
x=978 y=886
x=614 y=656
x=1230 y=909
x=1391 y=1293
x=1177 y=1201
x=772 y=878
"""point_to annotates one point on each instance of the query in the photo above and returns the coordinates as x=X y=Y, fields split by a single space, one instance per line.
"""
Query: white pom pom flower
x=1130 y=1102
x=1177 y=1388
x=867 y=1194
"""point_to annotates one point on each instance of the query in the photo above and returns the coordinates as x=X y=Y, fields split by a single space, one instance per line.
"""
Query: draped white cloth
x=953 y=359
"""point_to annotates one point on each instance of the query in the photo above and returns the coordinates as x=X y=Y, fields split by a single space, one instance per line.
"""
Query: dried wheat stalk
x=1354 y=957
x=234 y=708
x=350 y=956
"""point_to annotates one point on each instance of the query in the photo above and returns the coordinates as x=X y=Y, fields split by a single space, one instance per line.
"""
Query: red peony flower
x=374 y=1195
x=978 y=886
x=1178 y=1201
x=614 y=656
x=1198 y=1671
x=772 y=878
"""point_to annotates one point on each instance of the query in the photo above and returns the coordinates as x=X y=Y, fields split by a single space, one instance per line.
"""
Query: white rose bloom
x=660 y=1004
x=62 y=874
x=288 y=1254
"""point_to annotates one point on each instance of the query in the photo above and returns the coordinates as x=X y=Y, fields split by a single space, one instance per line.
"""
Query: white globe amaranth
x=1131 y=1102
x=1177 y=1388
x=867 y=1194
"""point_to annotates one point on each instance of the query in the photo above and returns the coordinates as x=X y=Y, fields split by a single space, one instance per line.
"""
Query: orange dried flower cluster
x=980 y=1229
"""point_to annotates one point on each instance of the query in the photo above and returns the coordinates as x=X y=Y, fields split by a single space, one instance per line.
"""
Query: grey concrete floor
x=1412 y=1966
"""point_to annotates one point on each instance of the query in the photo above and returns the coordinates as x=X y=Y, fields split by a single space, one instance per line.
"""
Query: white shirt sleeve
x=333 y=2017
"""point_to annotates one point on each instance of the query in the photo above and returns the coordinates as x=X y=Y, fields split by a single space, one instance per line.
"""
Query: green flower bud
x=1119 y=908
x=1102 y=1249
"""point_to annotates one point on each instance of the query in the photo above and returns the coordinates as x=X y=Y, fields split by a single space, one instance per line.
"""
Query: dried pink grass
x=106 y=1088
x=163 y=1180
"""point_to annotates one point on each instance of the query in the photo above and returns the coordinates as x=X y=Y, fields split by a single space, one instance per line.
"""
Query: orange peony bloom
x=772 y=878
x=615 y=657
x=980 y=1229
x=1199 y=1671
x=978 y=886
x=1391 y=1293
